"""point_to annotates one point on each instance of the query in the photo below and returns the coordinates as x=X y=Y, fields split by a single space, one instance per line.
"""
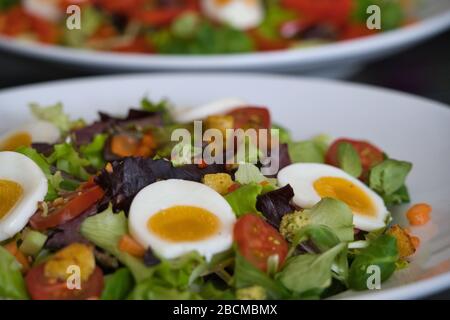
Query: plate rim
x=407 y=291
x=305 y=57
x=221 y=74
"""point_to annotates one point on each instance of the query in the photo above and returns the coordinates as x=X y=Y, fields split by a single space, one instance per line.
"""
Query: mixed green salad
x=103 y=210
x=196 y=26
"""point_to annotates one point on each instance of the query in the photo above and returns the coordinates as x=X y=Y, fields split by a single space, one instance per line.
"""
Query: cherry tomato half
x=257 y=241
x=83 y=200
x=251 y=117
x=369 y=154
x=42 y=288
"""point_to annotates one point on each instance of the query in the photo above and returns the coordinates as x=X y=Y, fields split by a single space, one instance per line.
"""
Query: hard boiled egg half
x=22 y=186
x=240 y=14
x=312 y=182
x=32 y=132
x=211 y=108
x=175 y=217
x=50 y=10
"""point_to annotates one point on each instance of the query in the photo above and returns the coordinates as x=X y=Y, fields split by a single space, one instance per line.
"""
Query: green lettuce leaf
x=91 y=20
x=398 y=197
x=310 y=272
x=67 y=159
x=246 y=275
x=392 y=12
x=389 y=176
x=12 y=284
x=275 y=16
x=243 y=200
x=283 y=133
x=170 y=279
x=162 y=107
x=105 y=230
x=381 y=252
x=93 y=152
x=324 y=239
x=306 y=151
x=6 y=4
x=248 y=173
x=54 y=180
x=118 y=285
x=349 y=160
x=334 y=214
x=205 y=38
x=54 y=114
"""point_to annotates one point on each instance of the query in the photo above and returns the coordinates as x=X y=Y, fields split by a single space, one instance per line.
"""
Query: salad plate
x=405 y=127
x=332 y=58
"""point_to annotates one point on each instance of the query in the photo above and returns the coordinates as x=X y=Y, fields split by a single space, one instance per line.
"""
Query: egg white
x=301 y=177
x=240 y=14
x=201 y=112
x=40 y=131
x=168 y=193
x=22 y=170
x=45 y=9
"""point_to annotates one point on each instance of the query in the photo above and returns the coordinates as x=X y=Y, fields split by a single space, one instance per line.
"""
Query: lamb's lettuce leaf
x=382 y=253
x=12 y=284
x=349 y=160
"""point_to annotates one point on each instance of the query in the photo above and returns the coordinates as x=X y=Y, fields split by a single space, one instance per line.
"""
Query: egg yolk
x=346 y=191
x=19 y=139
x=183 y=223
x=10 y=193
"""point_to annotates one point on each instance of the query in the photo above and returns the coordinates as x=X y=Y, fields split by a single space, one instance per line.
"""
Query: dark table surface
x=423 y=70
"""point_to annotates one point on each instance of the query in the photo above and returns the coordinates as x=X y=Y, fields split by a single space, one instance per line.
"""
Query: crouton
x=405 y=242
x=219 y=182
x=76 y=254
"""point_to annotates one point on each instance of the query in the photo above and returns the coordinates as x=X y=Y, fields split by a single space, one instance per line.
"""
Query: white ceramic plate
x=335 y=59
x=406 y=127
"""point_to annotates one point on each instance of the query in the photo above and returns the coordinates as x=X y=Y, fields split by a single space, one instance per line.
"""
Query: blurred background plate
x=333 y=60
x=404 y=126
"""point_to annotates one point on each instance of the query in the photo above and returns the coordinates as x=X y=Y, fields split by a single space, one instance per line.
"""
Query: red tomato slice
x=353 y=31
x=331 y=11
x=257 y=241
x=42 y=288
x=85 y=198
x=158 y=17
x=369 y=154
x=47 y=32
x=14 y=22
x=251 y=117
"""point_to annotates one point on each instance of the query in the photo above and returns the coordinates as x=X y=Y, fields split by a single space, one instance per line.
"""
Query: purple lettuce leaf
x=69 y=232
x=275 y=204
x=130 y=175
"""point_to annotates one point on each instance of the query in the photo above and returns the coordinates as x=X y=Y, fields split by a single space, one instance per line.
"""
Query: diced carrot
x=129 y=245
x=143 y=151
x=415 y=241
x=20 y=257
x=264 y=183
x=148 y=140
x=233 y=187
x=419 y=214
x=202 y=165
x=124 y=145
x=146 y=146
